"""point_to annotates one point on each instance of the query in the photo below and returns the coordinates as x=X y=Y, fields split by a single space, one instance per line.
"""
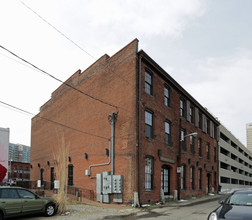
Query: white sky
x=205 y=45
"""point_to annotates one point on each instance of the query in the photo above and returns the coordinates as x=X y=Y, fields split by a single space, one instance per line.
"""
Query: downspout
x=103 y=164
x=112 y=119
x=139 y=126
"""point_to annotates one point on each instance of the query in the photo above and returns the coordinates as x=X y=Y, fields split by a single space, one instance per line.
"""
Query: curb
x=194 y=202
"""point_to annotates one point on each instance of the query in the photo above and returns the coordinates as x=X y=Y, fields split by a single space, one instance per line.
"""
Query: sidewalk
x=194 y=201
x=181 y=203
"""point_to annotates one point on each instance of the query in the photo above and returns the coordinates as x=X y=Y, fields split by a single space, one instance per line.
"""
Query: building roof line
x=161 y=71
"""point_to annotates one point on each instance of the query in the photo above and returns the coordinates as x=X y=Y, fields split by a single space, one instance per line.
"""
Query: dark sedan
x=237 y=206
x=17 y=201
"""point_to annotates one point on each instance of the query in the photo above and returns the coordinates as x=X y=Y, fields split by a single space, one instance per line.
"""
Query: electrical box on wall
x=87 y=172
x=107 y=183
x=98 y=186
x=117 y=181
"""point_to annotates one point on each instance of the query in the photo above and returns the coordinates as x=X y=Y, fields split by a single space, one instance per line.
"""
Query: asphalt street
x=80 y=211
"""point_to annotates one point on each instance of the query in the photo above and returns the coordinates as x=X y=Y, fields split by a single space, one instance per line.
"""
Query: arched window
x=42 y=176
x=70 y=175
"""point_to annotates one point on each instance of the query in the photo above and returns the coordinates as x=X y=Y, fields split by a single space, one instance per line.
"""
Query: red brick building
x=151 y=149
x=19 y=171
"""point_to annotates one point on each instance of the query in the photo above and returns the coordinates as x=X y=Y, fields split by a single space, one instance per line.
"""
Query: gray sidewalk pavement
x=195 y=201
x=181 y=203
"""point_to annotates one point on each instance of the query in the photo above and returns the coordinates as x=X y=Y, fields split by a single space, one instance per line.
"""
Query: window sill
x=149 y=139
x=148 y=190
x=167 y=106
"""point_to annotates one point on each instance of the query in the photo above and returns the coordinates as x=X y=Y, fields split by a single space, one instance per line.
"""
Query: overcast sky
x=205 y=45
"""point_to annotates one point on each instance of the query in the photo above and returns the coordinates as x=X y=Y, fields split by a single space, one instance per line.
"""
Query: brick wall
x=111 y=80
x=150 y=147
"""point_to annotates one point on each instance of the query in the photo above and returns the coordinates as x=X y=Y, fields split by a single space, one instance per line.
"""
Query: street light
x=191 y=134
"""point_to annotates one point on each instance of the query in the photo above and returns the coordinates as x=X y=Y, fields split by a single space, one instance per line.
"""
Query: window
x=42 y=176
x=214 y=131
x=166 y=96
x=208 y=151
x=25 y=194
x=208 y=126
x=183 y=177
x=182 y=140
x=215 y=179
x=70 y=175
x=192 y=178
x=8 y=193
x=199 y=147
x=165 y=179
x=215 y=154
x=200 y=179
x=182 y=108
x=192 y=145
x=167 y=133
x=200 y=120
x=148 y=83
x=191 y=114
x=148 y=173
x=148 y=124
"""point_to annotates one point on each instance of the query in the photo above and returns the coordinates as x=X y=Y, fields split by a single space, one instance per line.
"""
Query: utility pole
x=112 y=119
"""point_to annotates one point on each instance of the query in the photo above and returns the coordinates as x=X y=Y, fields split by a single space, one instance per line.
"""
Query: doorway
x=165 y=179
x=208 y=183
x=52 y=178
x=42 y=176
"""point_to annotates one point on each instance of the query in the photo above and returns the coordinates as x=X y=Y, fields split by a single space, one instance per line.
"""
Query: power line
x=19 y=62
x=68 y=38
x=55 y=78
x=57 y=30
x=54 y=122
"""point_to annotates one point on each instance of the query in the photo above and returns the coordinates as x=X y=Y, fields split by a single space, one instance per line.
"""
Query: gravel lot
x=81 y=211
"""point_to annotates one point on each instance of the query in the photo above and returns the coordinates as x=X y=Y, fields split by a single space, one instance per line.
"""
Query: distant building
x=19 y=171
x=249 y=136
x=19 y=153
x=235 y=162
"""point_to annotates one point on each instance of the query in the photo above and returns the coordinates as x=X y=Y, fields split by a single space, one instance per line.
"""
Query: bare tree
x=61 y=171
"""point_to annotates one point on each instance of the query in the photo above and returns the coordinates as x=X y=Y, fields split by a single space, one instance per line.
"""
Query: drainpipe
x=97 y=165
x=139 y=126
x=112 y=119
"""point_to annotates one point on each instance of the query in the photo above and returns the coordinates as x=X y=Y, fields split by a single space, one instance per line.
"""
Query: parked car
x=16 y=201
x=236 y=206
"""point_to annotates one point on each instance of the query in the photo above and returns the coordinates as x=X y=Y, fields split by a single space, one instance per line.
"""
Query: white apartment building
x=19 y=153
x=235 y=162
x=249 y=136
